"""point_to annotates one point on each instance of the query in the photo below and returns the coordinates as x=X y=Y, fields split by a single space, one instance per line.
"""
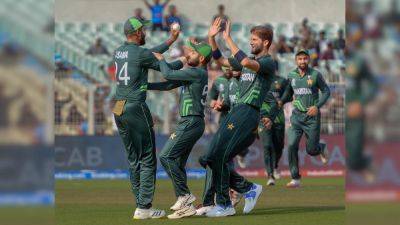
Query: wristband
x=240 y=55
x=216 y=54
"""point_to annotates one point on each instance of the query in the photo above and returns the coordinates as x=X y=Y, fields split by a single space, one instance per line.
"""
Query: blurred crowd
x=327 y=55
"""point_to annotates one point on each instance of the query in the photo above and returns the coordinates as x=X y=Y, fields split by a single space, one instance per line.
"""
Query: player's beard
x=142 y=39
x=256 y=49
x=303 y=66
x=192 y=62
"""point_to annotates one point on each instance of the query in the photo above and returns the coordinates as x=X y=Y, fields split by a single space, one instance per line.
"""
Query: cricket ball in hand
x=175 y=26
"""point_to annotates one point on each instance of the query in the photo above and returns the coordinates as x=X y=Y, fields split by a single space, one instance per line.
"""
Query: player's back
x=194 y=93
x=131 y=76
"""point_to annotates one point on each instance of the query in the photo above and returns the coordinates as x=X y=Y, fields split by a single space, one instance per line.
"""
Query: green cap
x=302 y=51
x=133 y=24
x=201 y=48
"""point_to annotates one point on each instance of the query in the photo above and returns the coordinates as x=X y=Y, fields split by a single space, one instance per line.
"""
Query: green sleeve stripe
x=143 y=87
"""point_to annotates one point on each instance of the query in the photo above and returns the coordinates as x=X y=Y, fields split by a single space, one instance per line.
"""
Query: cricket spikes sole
x=188 y=210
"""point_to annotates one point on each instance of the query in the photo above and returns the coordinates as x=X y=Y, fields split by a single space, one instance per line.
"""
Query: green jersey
x=194 y=81
x=232 y=91
x=270 y=108
x=306 y=89
x=254 y=85
x=131 y=65
x=219 y=90
x=361 y=85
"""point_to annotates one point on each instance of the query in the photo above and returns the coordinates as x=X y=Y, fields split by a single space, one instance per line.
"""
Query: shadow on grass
x=285 y=210
x=297 y=209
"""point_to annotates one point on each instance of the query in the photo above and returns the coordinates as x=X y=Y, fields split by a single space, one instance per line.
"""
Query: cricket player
x=271 y=128
x=132 y=116
x=221 y=97
x=190 y=128
x=304 y=85
x=238 y=130
x=361 y=88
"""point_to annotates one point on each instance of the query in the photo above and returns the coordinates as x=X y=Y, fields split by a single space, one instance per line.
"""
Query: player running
x=304 y=85
x=190 y=128
x=132 y=115
x=272 y=128
x=239 y=129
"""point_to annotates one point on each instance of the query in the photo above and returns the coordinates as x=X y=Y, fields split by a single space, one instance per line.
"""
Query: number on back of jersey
x=204 y=95
x=122 y=73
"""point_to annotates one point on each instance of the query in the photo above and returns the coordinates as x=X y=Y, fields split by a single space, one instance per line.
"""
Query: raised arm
x=163 y=47
x=147 y=4
x=181 y=75
x=147 y=60
x=239 y=55
x=325 y=91
x=212 y=32
x=164 y=86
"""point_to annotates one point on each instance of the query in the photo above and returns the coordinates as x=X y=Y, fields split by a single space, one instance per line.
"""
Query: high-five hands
x=215 y=27
x=227 y=32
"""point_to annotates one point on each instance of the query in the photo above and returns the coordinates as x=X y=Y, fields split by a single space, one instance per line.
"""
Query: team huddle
x=250 y=96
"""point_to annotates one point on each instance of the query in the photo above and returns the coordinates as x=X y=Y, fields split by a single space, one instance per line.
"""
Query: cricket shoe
x=183 y=201
x=186 y=211
x=294 y=183
x=251 y=197
x=235 y=197
x=277 y=175
x=271 y=181
x=148 y=214
x=324 y=154
x=203 y=210
x=221 y=211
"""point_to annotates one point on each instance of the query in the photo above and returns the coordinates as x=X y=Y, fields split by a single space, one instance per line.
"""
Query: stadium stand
x=74 y=38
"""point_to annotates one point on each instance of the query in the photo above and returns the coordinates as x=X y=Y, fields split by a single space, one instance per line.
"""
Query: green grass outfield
x=109 y=202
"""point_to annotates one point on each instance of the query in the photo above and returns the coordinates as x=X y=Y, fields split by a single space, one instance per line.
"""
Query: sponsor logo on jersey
x=247 y=77
x=121 y=55
x=302 y=91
